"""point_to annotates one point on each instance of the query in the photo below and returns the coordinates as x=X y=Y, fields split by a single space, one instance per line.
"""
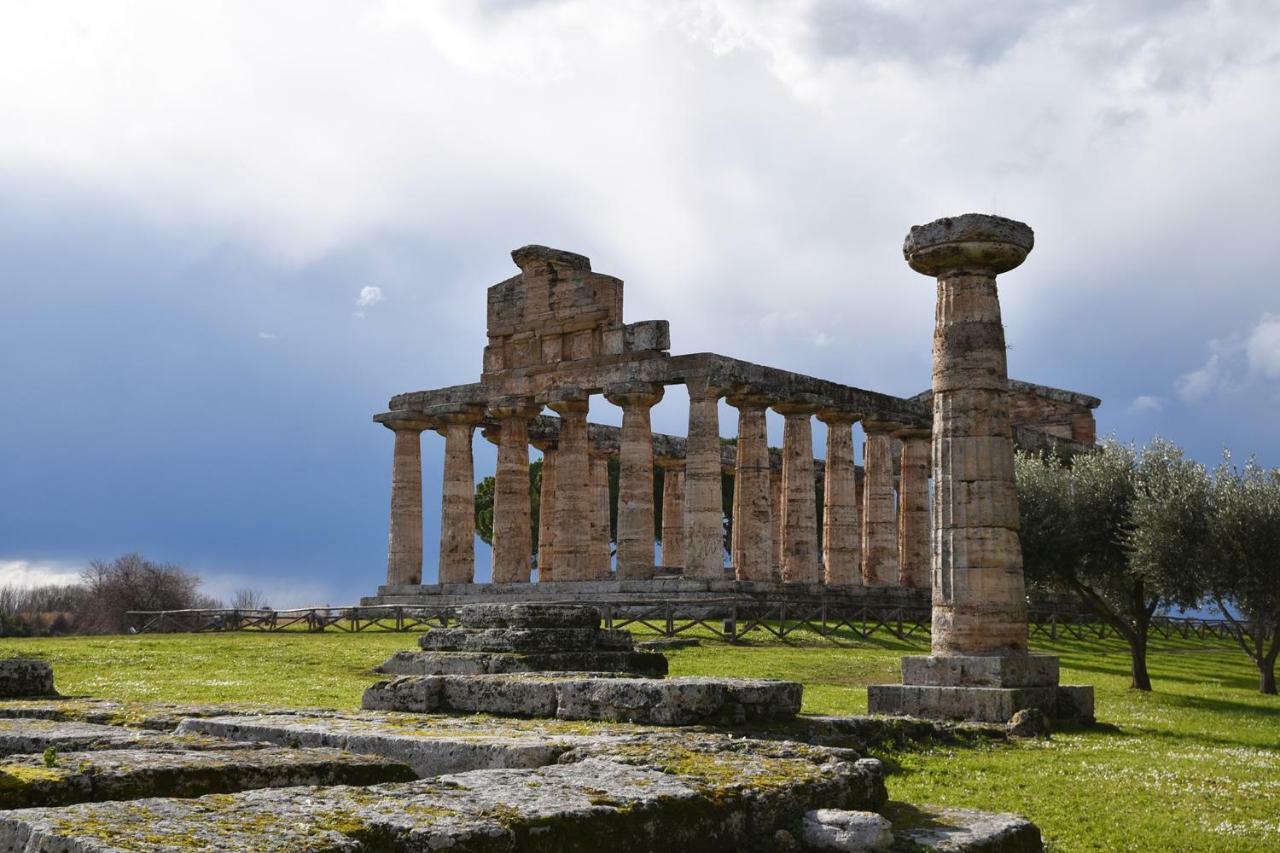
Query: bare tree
x=132 y=582
x=249 y=599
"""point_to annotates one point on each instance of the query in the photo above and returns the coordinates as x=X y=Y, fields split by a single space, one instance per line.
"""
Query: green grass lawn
x=1193 y=766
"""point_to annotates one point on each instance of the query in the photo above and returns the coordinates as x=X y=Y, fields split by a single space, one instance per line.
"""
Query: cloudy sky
x=230 y=231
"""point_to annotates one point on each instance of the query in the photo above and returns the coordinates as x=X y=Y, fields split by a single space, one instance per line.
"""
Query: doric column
x=979 y=599
x=635 y=478
x=799 y=505
x=600 y=567
x=841 y=528
x=573 y=495
x=512 y=536
x=404 y=538
x=458 y=502
x=752 y=553
x=703 y=506
x=880 y=511
x=546 y=512
x=672 y=511
x=914 y=551
x=775 y=519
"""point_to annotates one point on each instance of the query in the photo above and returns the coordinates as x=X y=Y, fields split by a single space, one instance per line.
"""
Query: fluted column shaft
x=799 y=506
x=775 y=520
x=635 y=479
x=703 y=506
x=914 y=551
x=512 y=508
x=752 y=554
x=841 y=527
x=457 y=503
x=880 y=512
x=573 y=495
x=404 y=537
x=672 y=512
x=546 y=515
x=601 y=534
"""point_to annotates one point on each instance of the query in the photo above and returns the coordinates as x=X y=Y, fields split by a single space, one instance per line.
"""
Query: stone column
x=880 y=511
x=841 y=530
x=635 y=478
x=512 y=536
x=458 y=502
x=799 y=504
x=672 y=512
x=703 y=507
x=573 y=497
x=914 y=551
x=404 y=538
x=775 y=519
x=600 y=566
x=546 y=513
x=753 y=519
x=979 y=668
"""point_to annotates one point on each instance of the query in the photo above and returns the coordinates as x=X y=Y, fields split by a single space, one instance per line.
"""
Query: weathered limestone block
x=880 y=512
x=927 y=828
x=841 y=528
x=529 y=616
x=509 y=639
x=78 y=777
x=981 y=670
x=843 y=830
x=752 y=555
x=799 y=504
x=483 y=663
x=20 y=735
x=404 y=539
x=25 y=677
x=635 y=478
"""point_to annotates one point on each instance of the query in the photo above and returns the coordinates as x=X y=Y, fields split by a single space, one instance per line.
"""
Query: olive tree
x=1245 y=566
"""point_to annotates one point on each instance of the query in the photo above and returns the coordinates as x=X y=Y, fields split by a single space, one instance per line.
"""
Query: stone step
x=721 y=798
x=157 y=716
x=484 y=663
x=953 y=830
x=125 y=774
x=23 y=735
x=599 y=696
x=529 y=616
x=526 y=640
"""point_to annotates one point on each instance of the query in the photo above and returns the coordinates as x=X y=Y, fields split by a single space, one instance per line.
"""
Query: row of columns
x=868 y=538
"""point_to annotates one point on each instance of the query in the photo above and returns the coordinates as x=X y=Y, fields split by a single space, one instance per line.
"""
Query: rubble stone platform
x=25 y=677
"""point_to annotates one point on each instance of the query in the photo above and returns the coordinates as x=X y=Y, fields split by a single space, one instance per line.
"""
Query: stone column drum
x=703 y=505
x=573 y=496
x=457 y=503
x=635 y=478
x=512 y=536
x=672 y=512
x=546 y=513
x=753 y=519
x=880 y=511
x=799 y=504
x=915 y=553
x=404 y=537
x=841 y=531
x=979 y=669
x=601 y=533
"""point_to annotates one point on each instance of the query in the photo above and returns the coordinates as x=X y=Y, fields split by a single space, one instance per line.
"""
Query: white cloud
x=369 y=296
x=822 y=339
x=1146 y=404
x=268 y=336
x=1263 y=347
x=1198 y=384
x=28 y=573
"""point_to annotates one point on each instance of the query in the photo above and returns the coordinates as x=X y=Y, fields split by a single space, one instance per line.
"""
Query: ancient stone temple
x=557 y=338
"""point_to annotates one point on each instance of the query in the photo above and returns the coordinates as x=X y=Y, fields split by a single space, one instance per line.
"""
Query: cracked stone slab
x=953 y=830
x=728 y=799
x=531 y=640
x=126 y=774
x=431 y=745
x=158 y=716
x=529 y=616
x=669 y=701
x=19 y=736
x=490 y=663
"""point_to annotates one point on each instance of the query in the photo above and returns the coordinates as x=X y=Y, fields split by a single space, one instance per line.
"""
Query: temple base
x=985 y=689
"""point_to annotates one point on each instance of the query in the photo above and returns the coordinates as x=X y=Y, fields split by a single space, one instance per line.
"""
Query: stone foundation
x=23 y=677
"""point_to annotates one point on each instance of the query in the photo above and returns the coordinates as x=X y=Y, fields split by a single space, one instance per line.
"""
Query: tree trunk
x=1138 y=654
x=1267 y=680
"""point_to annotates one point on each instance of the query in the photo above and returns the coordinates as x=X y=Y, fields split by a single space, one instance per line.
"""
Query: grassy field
x=1193 y=766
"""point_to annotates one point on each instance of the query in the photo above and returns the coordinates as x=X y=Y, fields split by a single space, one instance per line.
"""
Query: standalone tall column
x=404 y=538
x=703 y=506
x=547 y=512
x=672 y=512
x=752 y=534
x=635 y=478
x=799 y=505
x=979 y=668
x=601 y=533
x=914 y=551
x=880 y=511
x=512 y=535
x=458 y=503
x=841 y=531
x=573 y=496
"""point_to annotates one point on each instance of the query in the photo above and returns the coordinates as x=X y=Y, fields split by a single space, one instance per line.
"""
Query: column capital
x=881 y=427
x=913 y=433
x=456 y=413
x=750 y=399
x=704 y=388
x=514 y=407
x=405 y=421
x=669 y=462
x=838 y=416
x=798 y=405
x=492 y=433
x=568 y=401
x=974 y=243
x=631 y=394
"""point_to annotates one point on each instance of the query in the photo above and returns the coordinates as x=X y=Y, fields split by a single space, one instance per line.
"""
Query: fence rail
x=730 y=619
